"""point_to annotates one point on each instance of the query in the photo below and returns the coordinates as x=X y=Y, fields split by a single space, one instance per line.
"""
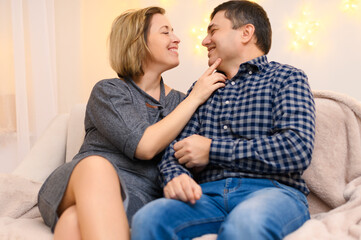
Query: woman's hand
x=208 y=83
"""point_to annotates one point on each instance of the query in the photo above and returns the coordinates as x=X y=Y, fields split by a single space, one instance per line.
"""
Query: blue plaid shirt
x=262 y=125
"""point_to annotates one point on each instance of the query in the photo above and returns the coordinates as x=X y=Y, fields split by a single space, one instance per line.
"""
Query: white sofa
x=58 y=144
x=333 y=177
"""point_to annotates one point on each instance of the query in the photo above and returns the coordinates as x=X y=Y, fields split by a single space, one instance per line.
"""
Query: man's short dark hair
x=244 y=12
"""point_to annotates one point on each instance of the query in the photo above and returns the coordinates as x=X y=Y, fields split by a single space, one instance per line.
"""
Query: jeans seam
x=225 y=199
x=198 y=222
x=292 y=191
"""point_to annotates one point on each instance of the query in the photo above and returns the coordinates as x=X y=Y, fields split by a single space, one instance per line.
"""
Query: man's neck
x=233 y=67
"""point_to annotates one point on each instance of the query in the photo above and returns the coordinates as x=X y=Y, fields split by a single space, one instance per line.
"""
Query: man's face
x=222 y=41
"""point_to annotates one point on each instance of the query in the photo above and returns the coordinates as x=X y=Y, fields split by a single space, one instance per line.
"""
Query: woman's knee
x=94 y=165
x=67 y=226
x=91 y=172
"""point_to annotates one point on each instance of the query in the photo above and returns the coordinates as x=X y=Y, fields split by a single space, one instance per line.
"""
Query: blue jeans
x=233 y=208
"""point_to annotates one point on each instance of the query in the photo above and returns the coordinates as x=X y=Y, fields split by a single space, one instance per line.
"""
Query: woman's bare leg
x=68 y=225
x=93 y=195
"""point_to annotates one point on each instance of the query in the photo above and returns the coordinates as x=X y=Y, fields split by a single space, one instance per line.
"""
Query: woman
x=129 y=121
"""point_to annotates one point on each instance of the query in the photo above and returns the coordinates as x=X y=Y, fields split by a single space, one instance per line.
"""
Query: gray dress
x=117 y=114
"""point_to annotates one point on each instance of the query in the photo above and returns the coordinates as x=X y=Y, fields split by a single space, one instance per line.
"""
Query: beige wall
x=68 y=54
x=7 y=85
x=82 y=28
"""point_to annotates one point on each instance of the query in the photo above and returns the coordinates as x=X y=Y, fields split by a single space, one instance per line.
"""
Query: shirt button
x=227 y=102
x=225 y=127
x=233 y=83
x=250 y=72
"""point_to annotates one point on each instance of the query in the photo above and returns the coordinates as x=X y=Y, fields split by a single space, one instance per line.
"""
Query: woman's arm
x=159 y=135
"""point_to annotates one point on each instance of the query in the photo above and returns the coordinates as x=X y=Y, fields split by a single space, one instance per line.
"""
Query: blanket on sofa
x=334 y=178
x=19 y=215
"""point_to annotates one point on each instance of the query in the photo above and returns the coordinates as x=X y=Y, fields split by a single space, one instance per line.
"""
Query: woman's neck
x=149 y=83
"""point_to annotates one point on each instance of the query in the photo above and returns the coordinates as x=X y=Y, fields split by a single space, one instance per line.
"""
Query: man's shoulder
x=283 y=67
x=285 y=74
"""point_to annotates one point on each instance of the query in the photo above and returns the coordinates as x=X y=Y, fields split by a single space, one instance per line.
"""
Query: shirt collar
x=258 y=63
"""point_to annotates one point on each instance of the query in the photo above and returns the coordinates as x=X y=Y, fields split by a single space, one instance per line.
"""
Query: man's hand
x=193 y=151
x=183 y=188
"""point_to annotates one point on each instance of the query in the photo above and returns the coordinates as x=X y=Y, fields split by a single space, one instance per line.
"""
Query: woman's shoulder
x=173 y=98
x=111 y=88
x=111 y=84
x=167 y=89
x=173 y=93
x=115 y=82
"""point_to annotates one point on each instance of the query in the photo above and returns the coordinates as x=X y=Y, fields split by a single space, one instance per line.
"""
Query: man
x=236 y=168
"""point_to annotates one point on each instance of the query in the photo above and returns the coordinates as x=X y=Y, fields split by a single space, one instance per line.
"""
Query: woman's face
x=163 y=44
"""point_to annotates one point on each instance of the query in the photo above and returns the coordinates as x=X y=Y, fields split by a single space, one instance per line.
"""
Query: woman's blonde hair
x=128 y=41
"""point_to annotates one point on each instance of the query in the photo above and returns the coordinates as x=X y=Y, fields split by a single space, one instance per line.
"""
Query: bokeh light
x=303 y=30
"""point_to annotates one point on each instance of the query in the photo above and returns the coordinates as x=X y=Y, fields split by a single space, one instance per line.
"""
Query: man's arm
x=176 y=180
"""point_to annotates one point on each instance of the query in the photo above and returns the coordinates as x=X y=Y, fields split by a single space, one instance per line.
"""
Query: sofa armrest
x=47 y=153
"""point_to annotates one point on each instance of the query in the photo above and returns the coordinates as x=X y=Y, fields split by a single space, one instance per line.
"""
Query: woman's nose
x=176 y=39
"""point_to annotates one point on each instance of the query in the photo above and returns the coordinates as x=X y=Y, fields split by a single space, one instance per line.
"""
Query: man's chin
x=210 y=61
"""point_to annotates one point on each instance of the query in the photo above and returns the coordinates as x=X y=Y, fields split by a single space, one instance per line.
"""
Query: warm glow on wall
x=198 y=34
x=303 y=31
x=350 y=5
x=166 y=3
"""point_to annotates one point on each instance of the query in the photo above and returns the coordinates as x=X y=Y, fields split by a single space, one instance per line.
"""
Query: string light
x=198 y=34
x=350 y=5
x=303 y=30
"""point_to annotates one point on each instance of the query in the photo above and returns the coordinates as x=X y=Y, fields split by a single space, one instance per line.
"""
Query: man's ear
x=247 y=33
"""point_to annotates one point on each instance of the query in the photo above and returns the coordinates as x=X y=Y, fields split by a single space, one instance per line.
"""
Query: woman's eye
x=165 y=32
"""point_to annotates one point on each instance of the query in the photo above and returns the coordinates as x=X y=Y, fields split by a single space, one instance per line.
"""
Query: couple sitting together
x=226 y=158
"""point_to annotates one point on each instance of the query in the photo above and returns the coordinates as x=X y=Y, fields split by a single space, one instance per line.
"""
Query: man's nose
x=206 y=41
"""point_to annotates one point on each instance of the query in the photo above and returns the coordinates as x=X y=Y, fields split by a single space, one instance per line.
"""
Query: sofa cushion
x=47 y=153
x=76 y=131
